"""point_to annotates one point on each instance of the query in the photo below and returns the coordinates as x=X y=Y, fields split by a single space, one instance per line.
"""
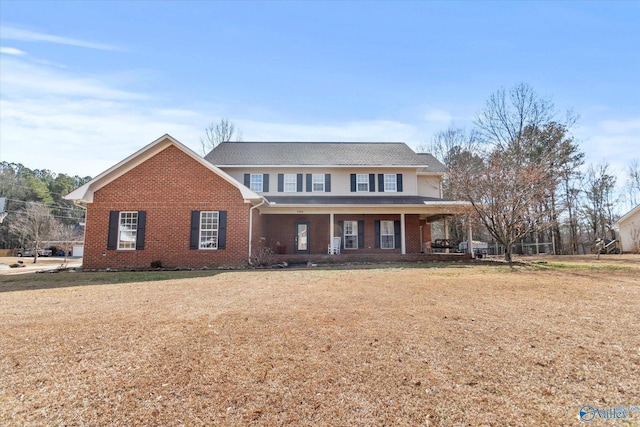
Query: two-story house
x=166 y=204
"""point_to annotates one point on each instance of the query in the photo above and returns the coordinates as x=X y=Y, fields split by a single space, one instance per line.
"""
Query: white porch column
x=331 y=231
x=403 y=243
x=470 y=239
x=446 y=231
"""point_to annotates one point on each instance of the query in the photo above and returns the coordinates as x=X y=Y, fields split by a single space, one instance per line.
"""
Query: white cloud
x=11 y=51
x=12 y=33
x=437 y=115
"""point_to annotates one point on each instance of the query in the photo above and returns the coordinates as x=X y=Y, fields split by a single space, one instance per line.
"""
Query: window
x=208 y=230
x=128 y=230
x=387 y=235
x=290 y=183
x=256 y=182
x=318 y=182
x=351 y=234
x=362 y=182
x=390 y=181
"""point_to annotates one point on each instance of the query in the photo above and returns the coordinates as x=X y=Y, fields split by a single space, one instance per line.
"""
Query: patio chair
x=334 y=247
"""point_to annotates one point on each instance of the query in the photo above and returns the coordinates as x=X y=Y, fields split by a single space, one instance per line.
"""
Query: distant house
x=168 y=205
x=628 y=228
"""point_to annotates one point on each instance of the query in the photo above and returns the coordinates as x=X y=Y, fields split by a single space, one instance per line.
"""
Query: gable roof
x=85 y=192
x=628 y=215
x=321 y=154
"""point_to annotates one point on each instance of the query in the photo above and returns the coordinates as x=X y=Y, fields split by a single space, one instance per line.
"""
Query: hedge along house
x=304 y=200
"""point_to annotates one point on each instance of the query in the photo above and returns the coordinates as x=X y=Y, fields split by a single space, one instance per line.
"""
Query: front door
x=302 y=237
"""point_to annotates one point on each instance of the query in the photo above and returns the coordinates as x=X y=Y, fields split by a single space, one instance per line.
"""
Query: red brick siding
x=168 y=187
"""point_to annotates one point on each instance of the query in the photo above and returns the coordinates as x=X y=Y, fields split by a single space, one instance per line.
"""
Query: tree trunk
x=507 y=254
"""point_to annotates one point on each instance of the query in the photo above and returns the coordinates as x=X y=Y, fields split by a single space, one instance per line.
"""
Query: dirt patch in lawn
x=474 y=345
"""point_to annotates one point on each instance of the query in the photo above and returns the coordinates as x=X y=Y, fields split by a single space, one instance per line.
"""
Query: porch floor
x=351 y=257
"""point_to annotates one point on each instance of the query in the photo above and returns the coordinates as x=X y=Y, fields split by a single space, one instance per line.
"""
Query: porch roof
x=354 y=200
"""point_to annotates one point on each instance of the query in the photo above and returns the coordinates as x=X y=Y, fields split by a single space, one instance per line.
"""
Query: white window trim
x=121 y=229
x=215 y=232
x=383 y=234
x=255 y=182
x=354 y=233
x=365 y=182
x=317 y=179
x=290 y=182
x=388 y=184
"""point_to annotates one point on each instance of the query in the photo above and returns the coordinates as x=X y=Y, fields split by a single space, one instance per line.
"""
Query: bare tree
x=33 y=225
x=599 y=200
x=67 y=234
x=215 y=134
x=633 y=183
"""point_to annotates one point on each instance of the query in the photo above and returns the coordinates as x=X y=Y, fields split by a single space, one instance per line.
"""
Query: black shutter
x=309 y=183
x=112 y=236
x=194 y=238
x=265 y=182
x=399 y=183
x=299 y=183
x=376 y=226
x=247 y=180
x=280 y=182
x=372 y=182
x=222 y=230
x=353 y=182
x=142 y=224
x=381 y=182
x=327 y=183
x=396 y=234
x=360 y=234
x=340 y=228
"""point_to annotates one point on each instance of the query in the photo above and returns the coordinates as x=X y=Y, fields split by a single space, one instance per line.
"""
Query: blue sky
x=85 y=84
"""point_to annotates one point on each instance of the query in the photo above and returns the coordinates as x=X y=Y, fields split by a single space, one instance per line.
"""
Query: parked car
x=29 y=252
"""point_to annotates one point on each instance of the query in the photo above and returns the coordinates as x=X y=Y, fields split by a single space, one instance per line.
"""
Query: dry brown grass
x=386 y=346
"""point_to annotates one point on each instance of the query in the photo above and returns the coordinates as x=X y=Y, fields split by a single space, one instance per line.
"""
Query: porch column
x=403 y=243
x=331 y=231
x=470 y=239
x=446 y=231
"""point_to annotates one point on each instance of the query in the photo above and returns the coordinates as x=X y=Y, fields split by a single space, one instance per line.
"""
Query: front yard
x=399 y=346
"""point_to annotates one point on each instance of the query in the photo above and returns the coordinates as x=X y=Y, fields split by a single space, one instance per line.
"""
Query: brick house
x=306 y=201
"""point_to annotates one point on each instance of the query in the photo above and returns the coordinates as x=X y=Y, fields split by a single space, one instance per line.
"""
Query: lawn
x=432 y=345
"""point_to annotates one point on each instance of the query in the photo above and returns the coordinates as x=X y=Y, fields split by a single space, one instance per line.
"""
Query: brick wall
x=168 y=187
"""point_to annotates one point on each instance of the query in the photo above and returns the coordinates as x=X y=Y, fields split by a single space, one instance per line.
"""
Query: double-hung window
x=256 y=182
x=128 y=230
x=208 y=230
x=390 y=182
x=387 y=236
x=318 y=183
x=362 y=182
x=290 y=183
x=351 y=234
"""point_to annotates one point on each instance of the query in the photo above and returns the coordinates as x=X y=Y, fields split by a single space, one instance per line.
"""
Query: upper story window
x=256 y=182
x=318 y=182
x=390 y=183
x=208 y=230
x=128 y=230
x=362 y=182
x=290 y=183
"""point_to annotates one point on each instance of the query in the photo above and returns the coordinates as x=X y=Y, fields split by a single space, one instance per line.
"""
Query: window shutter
x=327 y=183
x=280 y=182
x=142 y=224
x=299 y=182
x=360 y=234
x=309 y=189
x=112 y=237
x=396 y=233
x=265 y=183
x=194 y=238
x=340 y=233
x=372 y=182
x=247 y=180
x=353 y=182
x=376 y=226
x=399 y=183
x=381 y=182
x=222 y=230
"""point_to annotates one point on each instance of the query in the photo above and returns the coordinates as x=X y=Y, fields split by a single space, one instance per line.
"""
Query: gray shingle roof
x=320 y=154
